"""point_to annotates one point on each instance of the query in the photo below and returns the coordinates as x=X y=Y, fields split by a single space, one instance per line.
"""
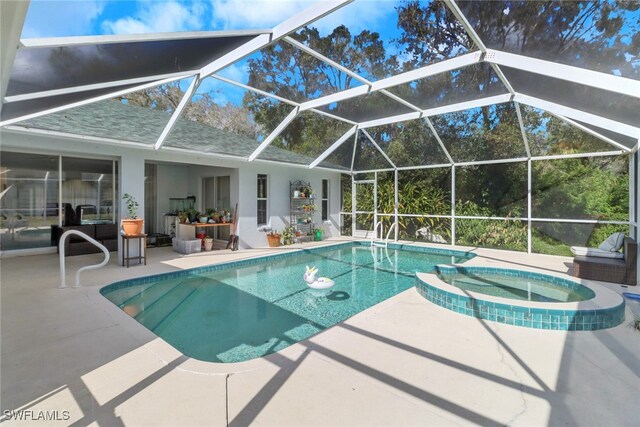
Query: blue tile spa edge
x=513 y=314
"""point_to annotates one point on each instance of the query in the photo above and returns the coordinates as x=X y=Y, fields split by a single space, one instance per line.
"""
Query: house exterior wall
x=180 y=173
x=278 y=178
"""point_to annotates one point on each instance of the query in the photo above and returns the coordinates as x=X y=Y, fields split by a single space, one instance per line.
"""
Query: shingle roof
x=123 y=122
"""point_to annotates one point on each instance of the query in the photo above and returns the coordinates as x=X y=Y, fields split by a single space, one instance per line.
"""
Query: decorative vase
x=132 y=227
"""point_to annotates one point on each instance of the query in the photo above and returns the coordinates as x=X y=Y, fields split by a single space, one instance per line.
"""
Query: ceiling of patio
x=451 y=82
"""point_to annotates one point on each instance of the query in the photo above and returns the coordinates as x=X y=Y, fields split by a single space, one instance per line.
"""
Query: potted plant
x=308 y=191
x=193 y=215
x=183 y=217
x=287 y=235
x=317 y=234
x=273 y=238
x=208 y=243
x=131 y=225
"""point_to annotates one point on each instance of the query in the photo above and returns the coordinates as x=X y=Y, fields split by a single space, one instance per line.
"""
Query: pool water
x=243 y=312
x=518 y=288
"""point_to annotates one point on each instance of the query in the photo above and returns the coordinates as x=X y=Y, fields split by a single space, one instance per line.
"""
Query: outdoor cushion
x=613 y=242
x=596 y=252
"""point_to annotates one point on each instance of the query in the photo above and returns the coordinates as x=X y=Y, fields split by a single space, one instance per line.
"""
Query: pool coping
x=605 y=310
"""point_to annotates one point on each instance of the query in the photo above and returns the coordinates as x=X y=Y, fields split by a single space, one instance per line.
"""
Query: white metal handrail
x=394 y=225
x=375 y=232
x=63 y=238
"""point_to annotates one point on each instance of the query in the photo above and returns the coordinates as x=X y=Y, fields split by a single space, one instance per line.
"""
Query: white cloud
x=61 y=18
x=255 y=14
x=357 y=16
x=160 y=17
x=238 y=72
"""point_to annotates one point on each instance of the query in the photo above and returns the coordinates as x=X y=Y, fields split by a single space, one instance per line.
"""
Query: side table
x=142 y=248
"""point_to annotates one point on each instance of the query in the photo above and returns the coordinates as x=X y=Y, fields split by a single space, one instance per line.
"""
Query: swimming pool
x=247 y=309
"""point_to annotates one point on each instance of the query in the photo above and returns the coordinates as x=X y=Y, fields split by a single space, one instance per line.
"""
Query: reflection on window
x=29 y=204
x=87 y=191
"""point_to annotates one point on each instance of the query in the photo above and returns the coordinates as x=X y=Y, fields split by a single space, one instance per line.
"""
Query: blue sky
x=53 y=18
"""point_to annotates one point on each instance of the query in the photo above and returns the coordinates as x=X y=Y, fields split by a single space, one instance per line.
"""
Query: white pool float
x=314 y=282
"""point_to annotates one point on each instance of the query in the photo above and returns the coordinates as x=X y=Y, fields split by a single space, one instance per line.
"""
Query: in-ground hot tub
x=522 y=298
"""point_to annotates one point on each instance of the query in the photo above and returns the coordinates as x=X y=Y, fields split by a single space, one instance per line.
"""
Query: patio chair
x=617 y=270
x=610 y=248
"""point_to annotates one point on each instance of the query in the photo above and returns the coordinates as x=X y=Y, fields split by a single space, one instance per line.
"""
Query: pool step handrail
x=381 y=242
x=386 y=240
x=63 y=238
x=374 y=236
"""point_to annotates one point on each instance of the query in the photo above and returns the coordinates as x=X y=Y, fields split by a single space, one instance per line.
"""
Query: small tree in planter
x=130 y=224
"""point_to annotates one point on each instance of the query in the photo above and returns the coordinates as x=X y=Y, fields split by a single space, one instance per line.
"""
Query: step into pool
x=247 y=309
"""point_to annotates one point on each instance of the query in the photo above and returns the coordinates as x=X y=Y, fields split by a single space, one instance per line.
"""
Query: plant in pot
x=317 y=234
x=287 y=235
x=131 y=225
x=208 y=243
x=183 y=217
x=273 y=238
x=193 y=215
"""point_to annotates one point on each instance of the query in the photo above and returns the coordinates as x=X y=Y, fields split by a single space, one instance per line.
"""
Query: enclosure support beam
x=522 y=129
x=453 y=205
x=316 y=11
x=529 y=187
x=375 y=144
x=92 y=100
x=562 y=110
x=590 y=131
x=395 y=203
x=409 y=76
x=476 y=39
x=273 y=135
x=186 y=98
x=353 y=206
x=333 y=147
x=446 y=152
x=596 y=79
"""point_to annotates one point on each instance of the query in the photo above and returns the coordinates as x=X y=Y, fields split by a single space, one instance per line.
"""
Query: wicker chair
x=624 y=271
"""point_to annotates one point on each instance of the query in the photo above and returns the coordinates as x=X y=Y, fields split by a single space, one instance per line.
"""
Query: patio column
x=131 y=179
x=634 y=205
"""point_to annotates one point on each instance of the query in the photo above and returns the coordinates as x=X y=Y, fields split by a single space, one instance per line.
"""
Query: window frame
x=264 y=199
x=324 y=199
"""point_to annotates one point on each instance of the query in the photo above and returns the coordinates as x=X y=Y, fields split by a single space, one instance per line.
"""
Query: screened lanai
x=502 y=124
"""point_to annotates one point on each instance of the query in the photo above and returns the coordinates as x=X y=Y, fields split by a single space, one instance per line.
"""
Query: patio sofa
x=617 y=270
x=107 y=234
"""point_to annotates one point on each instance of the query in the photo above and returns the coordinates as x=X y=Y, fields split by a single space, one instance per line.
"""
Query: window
x=262 y=200
x=325 y=199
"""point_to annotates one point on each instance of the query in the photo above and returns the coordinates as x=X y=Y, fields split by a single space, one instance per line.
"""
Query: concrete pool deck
x=73 y=355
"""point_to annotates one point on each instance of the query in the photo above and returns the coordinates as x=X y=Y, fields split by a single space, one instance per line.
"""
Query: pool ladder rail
x=384 y=243
x=63 y=238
